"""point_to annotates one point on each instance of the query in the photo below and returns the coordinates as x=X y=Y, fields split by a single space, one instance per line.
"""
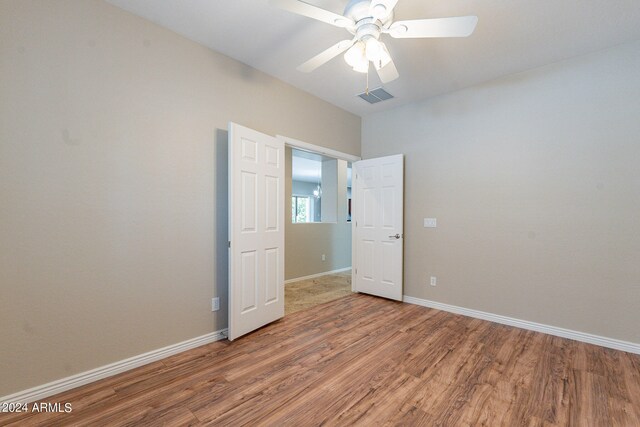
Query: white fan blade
x=461 y=26
x=310 y=11
x=326 y=56
x=388 y=73
x=382 y=8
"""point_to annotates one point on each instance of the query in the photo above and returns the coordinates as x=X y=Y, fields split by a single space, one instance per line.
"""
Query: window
x=300 y=209
x=307 y=187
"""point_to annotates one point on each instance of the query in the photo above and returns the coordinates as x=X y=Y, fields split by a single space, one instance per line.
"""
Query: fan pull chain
x=367 y=91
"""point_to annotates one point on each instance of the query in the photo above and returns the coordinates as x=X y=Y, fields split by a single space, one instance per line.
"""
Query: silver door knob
x=397 y=236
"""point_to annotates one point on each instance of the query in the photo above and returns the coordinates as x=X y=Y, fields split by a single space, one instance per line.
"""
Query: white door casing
x=256 y=230
x=378 y=194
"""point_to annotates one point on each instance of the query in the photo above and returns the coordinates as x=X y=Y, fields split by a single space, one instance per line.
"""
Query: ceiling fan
x=368 y=20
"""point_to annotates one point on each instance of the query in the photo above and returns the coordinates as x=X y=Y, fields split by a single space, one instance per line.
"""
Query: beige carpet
x=311 y=292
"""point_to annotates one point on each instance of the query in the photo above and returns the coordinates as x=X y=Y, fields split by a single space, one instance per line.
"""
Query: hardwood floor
x=362 y=360
x=304 y=294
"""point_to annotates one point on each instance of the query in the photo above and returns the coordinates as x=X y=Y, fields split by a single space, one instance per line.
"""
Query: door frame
x=305 y=146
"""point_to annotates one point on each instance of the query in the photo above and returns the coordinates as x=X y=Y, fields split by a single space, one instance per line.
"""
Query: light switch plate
x=430 y=223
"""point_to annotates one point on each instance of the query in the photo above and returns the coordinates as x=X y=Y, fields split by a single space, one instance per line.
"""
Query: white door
x=256 y=230
x=378 y=209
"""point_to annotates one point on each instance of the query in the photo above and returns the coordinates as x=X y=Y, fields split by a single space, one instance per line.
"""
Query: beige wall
x=535 y=182
x=113 y=182
x=306 y=243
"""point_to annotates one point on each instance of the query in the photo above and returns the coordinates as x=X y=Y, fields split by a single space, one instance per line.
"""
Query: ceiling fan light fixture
x=373 y=49
x=355 y=55
x=362 y=67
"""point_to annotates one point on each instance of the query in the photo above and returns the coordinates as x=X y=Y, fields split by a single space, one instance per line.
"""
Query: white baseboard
x=64 y=384
x=532 y=326
x=313 y=276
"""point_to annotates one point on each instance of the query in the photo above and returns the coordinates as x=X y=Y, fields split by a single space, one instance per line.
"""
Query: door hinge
x=229 y=243
x=356 y=271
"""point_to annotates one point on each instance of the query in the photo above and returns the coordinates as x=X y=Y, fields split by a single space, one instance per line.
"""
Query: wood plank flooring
x=362 y=360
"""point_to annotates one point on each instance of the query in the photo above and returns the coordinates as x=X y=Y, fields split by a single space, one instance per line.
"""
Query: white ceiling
x=307 y=166
x=511 y=36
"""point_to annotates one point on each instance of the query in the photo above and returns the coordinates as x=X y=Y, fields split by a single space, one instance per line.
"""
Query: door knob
x=397 y=236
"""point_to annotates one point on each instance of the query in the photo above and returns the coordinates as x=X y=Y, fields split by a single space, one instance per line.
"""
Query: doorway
x=318 y=229
x=262 y=207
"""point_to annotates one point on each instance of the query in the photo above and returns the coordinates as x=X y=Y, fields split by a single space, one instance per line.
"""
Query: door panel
x=271 y=273
x=256 y=230
x=272 y=185
x=249 y=198
x=248 y=281
x=378 y=212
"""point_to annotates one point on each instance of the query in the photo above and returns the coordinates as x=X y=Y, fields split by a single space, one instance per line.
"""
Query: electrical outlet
x=324 y=257
x=215 y=304
x=434 y=281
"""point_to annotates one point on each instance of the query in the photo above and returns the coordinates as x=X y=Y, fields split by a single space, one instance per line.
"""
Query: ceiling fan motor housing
x=366 y=25
x=367 y=28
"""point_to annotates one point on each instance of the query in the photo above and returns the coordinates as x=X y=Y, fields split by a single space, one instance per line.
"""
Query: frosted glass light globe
x=362 y=66
x=373 y=50
x=355 y=54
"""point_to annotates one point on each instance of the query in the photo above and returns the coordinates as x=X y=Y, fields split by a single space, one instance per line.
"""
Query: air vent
x=376 y=95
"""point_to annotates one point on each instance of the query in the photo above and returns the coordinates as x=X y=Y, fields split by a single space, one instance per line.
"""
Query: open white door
x=256 y=230
x=378 y=194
